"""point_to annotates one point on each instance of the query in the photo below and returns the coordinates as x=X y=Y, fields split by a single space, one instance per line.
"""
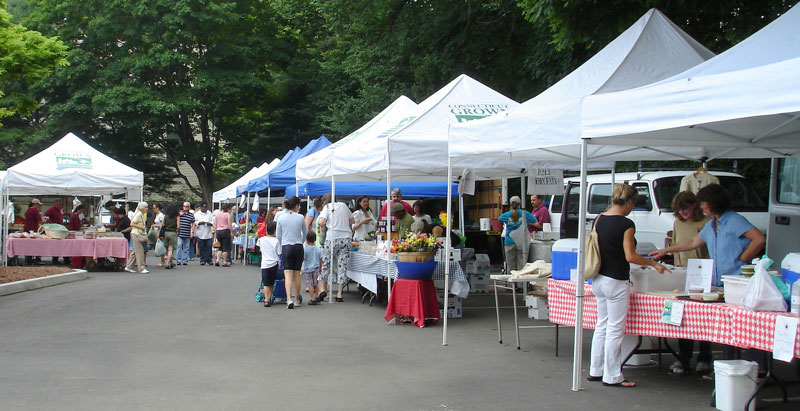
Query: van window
x=599 y=198
x=788 y=181
x=556 y=203
x=643 y=201
x=745 y=198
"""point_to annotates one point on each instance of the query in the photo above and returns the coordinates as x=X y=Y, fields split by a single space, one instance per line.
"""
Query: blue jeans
x=192 y=243
x=184 y=243
x=204 y=247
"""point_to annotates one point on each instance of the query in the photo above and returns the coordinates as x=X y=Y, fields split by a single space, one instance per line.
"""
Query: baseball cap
x=515 y=199
x=36 y=201
x=397 y=207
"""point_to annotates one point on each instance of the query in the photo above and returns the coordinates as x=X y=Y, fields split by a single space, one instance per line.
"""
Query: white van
x=653 y=213
x=784 y=208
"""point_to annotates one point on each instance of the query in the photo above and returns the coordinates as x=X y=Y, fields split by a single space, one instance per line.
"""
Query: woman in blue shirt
x=517 y=235
x=731 y=240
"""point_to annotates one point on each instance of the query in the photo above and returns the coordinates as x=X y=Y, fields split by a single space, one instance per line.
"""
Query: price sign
x=545 y=181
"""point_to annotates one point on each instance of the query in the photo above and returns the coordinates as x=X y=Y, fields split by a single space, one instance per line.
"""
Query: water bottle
x=795 y=305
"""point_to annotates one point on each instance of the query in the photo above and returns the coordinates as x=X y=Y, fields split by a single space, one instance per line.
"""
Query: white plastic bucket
x=486 y=224
x=735 y=382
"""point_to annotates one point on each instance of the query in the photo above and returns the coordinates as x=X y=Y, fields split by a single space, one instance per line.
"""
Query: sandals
x=339 y=299
x=593 y=378
x=623 y=384
x=267 y=304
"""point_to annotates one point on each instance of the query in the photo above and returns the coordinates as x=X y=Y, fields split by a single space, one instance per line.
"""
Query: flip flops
x=623 y=384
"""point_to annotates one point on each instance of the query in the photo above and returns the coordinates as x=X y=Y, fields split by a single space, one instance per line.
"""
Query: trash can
x=735 y=382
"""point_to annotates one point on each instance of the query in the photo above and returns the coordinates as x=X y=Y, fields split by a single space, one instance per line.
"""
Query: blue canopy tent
x=286 y=157
x=372 y=189
x=284 y=173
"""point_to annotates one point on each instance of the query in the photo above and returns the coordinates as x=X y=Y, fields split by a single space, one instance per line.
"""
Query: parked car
x=653 y=213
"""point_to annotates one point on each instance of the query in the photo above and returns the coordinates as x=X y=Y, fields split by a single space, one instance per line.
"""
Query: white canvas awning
x=72 y=167
x=744 y=103
x=547 y=127
x=228 y=194
x=415 y=147
x=320 y=165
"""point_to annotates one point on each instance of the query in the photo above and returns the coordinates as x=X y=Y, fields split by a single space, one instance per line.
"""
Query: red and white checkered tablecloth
x=718 y=322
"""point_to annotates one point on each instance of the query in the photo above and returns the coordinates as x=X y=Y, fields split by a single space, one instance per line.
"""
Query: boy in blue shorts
x=270 y=257
x=312 y=259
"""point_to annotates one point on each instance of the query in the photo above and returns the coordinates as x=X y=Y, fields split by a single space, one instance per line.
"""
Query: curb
x=41 y=282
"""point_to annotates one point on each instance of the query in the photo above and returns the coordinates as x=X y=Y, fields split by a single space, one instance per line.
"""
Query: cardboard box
x=480 y=265
x=537 y=307
x=479 y=283
x=454 y=306
x=455 y=254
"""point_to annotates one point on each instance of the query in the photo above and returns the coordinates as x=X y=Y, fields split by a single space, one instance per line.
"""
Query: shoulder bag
x=592 y=258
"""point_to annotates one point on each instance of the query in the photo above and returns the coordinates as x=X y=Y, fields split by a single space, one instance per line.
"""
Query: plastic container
x=735 y=288
x=486 y=224
x=790 y=268
x=416 y=271
x=565 y=257
x=794 y=306
x=734 y=382
x=496 y=225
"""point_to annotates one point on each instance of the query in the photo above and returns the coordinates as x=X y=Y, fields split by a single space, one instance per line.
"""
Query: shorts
x=292 y=257
x=224 y=238
x=170 y=239
x=311 y=277
x=268 y=276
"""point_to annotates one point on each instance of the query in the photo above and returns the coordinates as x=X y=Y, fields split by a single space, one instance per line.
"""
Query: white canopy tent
x=319 y=165
x=415 y=148
x=228 y=194
x=547 y=127
x=740 y=104
x=70 y=167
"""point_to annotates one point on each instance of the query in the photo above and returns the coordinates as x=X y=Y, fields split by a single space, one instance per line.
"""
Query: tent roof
x=319 y=165
x=72 y=167
x=547 y=127
x=284 y=173
x=373 y=189
x=229 y=193
x=415 y=149
x=740 y=104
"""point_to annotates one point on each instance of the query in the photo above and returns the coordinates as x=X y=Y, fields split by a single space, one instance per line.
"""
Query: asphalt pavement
x=194 y=338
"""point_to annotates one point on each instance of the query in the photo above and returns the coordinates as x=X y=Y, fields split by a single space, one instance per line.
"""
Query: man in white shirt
x=204 y=220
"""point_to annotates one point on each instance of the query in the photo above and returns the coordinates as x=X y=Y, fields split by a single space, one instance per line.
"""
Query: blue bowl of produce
x=415 y=270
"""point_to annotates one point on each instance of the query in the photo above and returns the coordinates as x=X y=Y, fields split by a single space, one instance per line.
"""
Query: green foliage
x=717 y=24
x=25 y=56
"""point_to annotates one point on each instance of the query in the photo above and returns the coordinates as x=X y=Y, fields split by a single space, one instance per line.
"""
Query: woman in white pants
x=611 y=287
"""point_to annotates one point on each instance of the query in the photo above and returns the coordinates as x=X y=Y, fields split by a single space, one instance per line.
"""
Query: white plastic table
x=507 y=282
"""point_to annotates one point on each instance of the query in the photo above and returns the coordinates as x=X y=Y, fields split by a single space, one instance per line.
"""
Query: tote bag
x=592 y=259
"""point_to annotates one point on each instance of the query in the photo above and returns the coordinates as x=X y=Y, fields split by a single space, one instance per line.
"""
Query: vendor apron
x=522 y=238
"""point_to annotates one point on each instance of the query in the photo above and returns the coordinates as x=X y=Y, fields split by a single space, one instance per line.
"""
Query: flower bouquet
x=415 y=247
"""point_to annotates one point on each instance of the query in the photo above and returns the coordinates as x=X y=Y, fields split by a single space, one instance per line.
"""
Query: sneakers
x=702 y=367
x=676 y=367
x=202 y=263
x=299 y=300
x=129 y=270
x=290 y=305
x=313 y=302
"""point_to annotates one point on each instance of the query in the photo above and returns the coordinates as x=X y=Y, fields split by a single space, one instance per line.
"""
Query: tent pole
x=331 y=265
x=246 y=229
x=578 y=343
x=5 y=225
x=389 y=232
x=446 y=258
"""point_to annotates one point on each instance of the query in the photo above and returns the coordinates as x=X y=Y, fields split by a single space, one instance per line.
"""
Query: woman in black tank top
x=611 y=286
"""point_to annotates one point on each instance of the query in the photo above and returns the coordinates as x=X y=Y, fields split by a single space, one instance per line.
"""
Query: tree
x=158 y=82
x=717 y=24
x=25 y=56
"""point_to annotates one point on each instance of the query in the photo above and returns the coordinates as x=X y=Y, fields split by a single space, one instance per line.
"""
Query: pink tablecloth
x=715 y=322
x=97 y=248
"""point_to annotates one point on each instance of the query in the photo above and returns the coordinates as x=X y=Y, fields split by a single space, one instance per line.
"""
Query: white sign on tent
x=546 y=181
